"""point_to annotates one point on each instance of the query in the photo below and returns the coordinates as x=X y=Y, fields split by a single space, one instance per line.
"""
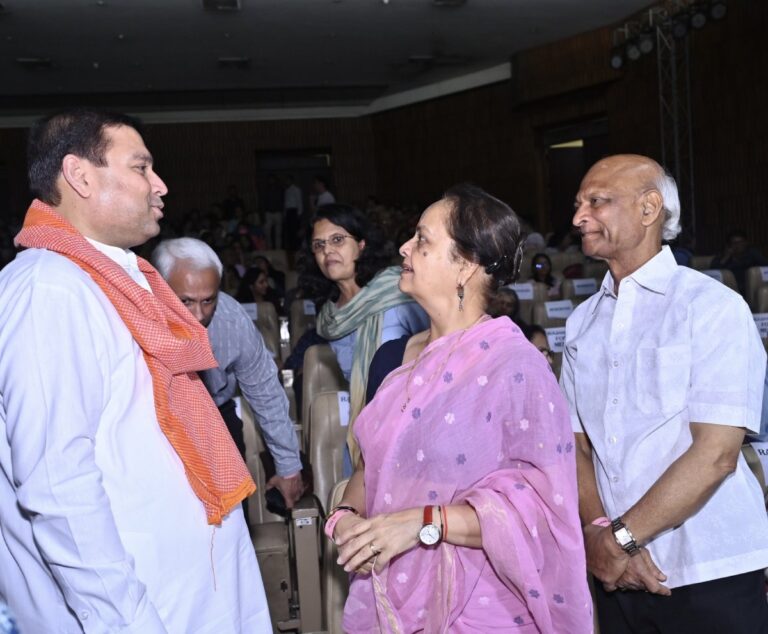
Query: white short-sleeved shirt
x=674 y=347
x=100 y=530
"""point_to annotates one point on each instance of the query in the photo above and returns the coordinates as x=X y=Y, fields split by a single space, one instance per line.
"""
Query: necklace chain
x=440 y=369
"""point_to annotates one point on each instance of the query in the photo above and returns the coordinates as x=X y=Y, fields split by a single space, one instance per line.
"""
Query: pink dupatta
x=487 y=425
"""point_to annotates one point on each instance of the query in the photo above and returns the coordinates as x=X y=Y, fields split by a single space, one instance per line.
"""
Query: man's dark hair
x=79 y=132
x=372 y=258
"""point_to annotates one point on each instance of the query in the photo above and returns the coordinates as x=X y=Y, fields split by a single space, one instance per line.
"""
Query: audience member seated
x=738 y=256
x=463 y=515
x=360 y=305
x=275 y=277
x=538 y=337
x=541 y=271
x=505 y=302
x=254 y=287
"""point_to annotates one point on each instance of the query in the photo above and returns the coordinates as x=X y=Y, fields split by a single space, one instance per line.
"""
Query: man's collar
x=123 y=257
x=655 y=275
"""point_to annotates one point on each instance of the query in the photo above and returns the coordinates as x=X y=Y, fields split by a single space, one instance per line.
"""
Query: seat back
x=335 y=580
x=577 y=290
x=757 y=277
x=723 y=275
x=291 y=279
x=561 y=261
x=269 y=327
x=529 y=292
x=278 y=258
x=596 y=269
x=552 y=314
x=328 y=424
x=302 y=318
x=321 y=373
x=254 y=445
x=701 y=262
x=762 y=300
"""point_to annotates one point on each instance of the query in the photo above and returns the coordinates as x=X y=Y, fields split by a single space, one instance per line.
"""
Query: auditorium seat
x=528 y=293
x=269 y=327
x=561 y=261
x=278 y=258
x=302 y=318
x=335 y=580
x=327 y=438
x=291 y=279
x=723 y=275
x=755 y=280
x=321 y=373
x=284 y=546
x=762 y=300
x=596 y=269
x=551 y=314
x=577 y=290
x=701 y=262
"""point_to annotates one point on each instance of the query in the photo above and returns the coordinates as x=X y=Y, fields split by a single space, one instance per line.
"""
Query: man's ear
x=361 y=244
x=652 y=207
x=75 y=172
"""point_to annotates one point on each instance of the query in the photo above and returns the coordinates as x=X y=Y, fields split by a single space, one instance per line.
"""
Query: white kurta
x=99 y=528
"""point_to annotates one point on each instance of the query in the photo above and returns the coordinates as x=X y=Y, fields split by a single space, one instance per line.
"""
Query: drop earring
x=460 y=293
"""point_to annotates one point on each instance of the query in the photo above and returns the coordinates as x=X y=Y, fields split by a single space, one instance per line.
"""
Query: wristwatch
x=430 y=533
x=624 y=538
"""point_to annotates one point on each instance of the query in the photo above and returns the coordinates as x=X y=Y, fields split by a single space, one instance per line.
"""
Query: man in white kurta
x=100 y=530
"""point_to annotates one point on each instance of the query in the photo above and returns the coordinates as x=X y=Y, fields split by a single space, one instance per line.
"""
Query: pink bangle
x=330 y=523
x=601 y=521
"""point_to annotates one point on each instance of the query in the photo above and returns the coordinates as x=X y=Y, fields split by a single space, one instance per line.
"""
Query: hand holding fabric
x=384 y=536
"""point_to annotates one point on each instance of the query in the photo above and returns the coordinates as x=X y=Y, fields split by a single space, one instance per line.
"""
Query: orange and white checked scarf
x=175 y=346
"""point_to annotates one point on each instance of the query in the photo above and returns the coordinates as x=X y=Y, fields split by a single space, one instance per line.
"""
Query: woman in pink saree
x=463 y=514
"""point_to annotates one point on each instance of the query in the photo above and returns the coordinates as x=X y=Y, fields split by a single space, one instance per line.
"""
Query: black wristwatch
x=624 y=538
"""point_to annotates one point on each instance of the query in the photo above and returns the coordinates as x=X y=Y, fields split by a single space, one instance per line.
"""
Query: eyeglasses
x=547 y=353
x=336 y=240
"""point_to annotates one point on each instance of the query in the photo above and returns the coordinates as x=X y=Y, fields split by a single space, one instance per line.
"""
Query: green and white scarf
x=364 y=313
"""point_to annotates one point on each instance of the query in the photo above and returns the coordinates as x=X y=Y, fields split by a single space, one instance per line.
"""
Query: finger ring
x=375 y=550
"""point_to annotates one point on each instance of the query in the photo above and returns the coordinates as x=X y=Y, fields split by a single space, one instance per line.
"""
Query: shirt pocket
x=663 y=376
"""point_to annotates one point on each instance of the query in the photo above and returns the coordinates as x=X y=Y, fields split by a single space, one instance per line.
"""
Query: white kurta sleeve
x=54 y=377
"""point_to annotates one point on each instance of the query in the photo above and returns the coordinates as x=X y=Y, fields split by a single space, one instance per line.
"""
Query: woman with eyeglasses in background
x=541 y=271
x=344 y=270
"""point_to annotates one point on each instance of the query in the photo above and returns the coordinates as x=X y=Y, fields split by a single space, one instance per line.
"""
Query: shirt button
x=615 y=364
x=615 y=478
x=84 y=614
x=613 y=440
x=615 y=401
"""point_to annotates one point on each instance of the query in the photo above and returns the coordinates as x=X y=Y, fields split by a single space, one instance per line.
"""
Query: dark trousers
x=732 y=605
x=235 y=427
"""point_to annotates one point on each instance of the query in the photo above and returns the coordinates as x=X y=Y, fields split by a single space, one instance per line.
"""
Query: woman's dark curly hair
x=372 y=258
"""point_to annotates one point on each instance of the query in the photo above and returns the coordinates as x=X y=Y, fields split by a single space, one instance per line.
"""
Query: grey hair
x=668 y=189
x=169 y=252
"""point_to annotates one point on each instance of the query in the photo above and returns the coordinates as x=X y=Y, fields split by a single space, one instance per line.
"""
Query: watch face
x=623 y=537
x=429 y=535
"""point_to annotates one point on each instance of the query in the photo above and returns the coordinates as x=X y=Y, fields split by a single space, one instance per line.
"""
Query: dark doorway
x=569 y=152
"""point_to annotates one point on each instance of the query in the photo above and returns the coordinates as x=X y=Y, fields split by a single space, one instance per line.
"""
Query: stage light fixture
x=617 y=58
x=645 y=42
x=698 y=16
x=680 y=27
x=717 y=10
x=633 y=51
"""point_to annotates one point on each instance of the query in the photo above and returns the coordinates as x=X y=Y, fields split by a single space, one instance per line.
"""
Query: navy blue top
x=388 y=357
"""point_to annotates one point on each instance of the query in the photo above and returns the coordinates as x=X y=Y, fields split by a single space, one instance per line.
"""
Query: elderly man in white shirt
x=663 y=370
x=119 y=484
